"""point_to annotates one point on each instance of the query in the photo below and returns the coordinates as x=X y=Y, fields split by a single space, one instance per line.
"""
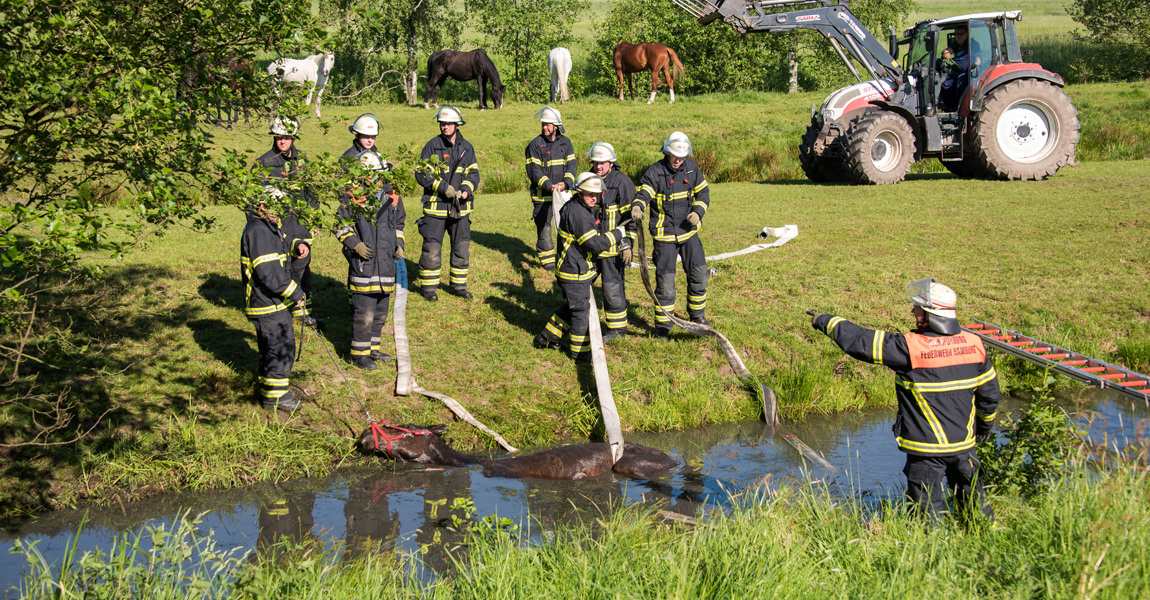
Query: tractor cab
x=950 y=58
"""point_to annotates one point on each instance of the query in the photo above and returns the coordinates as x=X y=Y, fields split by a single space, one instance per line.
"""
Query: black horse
x=462 y=66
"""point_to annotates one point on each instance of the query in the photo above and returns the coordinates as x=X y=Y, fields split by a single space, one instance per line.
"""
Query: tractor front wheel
x=814 y=159
x=879 y=149
x=1027 y=129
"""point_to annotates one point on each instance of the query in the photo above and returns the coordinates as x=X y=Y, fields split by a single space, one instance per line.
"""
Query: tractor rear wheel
x=1027 y=129
x=818 y=167
x=879 y=149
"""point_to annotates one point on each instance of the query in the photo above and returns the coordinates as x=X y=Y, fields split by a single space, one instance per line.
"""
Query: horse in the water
x=651 y=56
x=419 y=444
x=463 y=66
x=559 y=65
x=312 y=71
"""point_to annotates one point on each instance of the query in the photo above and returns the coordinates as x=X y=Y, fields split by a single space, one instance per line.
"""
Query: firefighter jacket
x=549 y=163
x=672 y=195
x=281 y=165
x=265 y=269
x=383 y=233
x=615 y=207
x=458 y=168
x=946 y=386
x=581 y=243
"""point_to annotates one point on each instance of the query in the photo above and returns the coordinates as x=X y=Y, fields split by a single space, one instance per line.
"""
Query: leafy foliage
x=1120 y=29
x=1039 y=443
x=524 y=31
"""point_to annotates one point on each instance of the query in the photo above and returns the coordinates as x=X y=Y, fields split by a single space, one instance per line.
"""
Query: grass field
x=164 y=345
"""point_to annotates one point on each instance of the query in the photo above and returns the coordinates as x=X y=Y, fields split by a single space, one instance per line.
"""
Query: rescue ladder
x=1062 y=360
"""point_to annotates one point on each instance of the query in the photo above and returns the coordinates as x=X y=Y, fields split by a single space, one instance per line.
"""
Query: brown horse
x=651 y=56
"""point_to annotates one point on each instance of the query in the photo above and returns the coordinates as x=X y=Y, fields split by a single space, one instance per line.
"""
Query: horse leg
x=619 y=72
x=670 y=82
x=654 y=84
x=482 y=88
x=318 y=97
x=631 y=86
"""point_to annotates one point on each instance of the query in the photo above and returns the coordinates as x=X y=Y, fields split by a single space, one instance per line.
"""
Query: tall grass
x=1086 y=538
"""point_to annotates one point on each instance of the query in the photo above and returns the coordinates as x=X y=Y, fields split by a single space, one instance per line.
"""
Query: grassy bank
x=1086 y=538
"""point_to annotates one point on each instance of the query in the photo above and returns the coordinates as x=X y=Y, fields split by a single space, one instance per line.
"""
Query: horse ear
x=438 y=429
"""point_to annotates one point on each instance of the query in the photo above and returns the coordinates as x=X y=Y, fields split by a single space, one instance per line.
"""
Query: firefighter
x=281 y=162
x=448 y=199
x=676 y=191
x=947 y=393
x=581 y=243
x=269 y=293
x=550 y=168
x=372 y=218
x=618 y=194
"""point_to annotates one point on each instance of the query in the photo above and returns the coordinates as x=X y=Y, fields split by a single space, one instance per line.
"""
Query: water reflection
x=381 y=504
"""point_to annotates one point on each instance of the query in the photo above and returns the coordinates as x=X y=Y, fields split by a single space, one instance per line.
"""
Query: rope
x=766 y=395
x=337 y=368
x=405 y=383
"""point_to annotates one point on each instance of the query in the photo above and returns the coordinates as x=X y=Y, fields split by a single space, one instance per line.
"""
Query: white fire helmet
x=365 y=124
x=601 y=152
x=371 y=161
x=271 y=198
x=677 y=145
x=589 y=183
x=281 y=126
x=449 y=114
x=938 y=301
x=549 y=115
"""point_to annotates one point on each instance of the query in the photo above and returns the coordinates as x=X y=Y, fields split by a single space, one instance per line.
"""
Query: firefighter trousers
x=301 y=275
x=368 y=316
x=614 y=291
x=430 y=261
x=694 y=264
x=571 y=322
x=544 y=243
x=925 y=493
x=275 y=338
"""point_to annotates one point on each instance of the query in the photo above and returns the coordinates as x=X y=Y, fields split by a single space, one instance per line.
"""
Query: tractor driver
x=947 y=393
x=550 y=168
x=955 y=62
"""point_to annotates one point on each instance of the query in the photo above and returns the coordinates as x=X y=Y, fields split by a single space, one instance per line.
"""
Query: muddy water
x=408 y=506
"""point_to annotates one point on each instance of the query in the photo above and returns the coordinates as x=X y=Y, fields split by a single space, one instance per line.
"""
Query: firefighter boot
x=662 y=334
x=701 y=320
x=285 y=402
x=378 y=356
x=364 y=362
x=614 y=334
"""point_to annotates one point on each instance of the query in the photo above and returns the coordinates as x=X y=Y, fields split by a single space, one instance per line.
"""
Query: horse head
x=411 y=443
x=328 y=62
x=497 y=94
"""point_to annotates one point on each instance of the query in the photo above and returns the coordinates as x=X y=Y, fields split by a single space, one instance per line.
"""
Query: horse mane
x=489 y=68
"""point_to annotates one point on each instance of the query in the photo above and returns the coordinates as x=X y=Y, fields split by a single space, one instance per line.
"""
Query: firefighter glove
x=363 y=251
x=450 y=193
x=627 y=255
x=694 y=218
x=308 y=321
x=399 y=253
x=637 y=213
x=814 y=317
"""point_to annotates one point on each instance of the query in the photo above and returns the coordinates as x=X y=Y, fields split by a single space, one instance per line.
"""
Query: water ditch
x=408 y=506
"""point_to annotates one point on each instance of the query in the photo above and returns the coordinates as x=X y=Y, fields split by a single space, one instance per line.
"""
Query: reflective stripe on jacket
x=618 y=193
x=672 y=195
x=549 y=163
x=383 y=235
x=265 y=269
x=946 y=386
x=581 y=243
x=465 y=175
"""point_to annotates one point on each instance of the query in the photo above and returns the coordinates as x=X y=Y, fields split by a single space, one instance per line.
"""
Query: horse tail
x=564 y=72
x=678 y=65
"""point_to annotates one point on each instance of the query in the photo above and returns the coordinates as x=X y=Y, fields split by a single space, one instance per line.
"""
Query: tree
x=403 y=26
x=1120 y=29
x=524 y=31
x=90 y=116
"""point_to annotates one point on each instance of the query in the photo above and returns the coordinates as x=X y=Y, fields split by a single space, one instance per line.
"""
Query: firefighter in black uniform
x=448 y=199
x=281 y=162
x=618 y=194
x=372 y=219
x=580 y=246
x=677 y=193
x=269 y=292
x=947 y=393
x=551 y=167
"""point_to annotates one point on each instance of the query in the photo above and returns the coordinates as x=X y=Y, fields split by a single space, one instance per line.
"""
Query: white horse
x=559 y=65
x=312 y=71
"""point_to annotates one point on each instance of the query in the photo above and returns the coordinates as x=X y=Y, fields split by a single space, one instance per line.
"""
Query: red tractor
x=962 y=95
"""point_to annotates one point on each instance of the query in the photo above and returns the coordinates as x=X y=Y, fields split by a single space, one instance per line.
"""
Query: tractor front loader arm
x=835 y=21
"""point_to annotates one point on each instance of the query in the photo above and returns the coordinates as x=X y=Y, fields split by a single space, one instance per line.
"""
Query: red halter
x=378 y=432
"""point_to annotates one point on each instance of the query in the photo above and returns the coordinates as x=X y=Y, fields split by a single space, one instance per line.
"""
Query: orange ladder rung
x=1132 y=383
x=1002 y=338
x=1072 y=362
x=1054 y=356
x=990 y=331
x=1113 y=376
x=974 y=326
x=1020 y=344
x=1038 y=350
x=1093 y=369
